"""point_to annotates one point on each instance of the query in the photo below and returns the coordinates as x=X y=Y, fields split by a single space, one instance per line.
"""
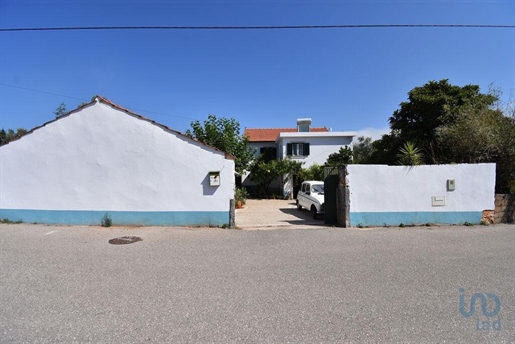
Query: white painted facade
x=321 y=145
x=392 y=195
x=101 y=159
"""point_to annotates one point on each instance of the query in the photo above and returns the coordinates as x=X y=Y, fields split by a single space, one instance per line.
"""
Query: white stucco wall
x=103 y=159
x=397 y=194
x=321 y=145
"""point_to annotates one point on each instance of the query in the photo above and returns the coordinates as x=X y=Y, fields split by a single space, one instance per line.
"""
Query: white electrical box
x=438 y=201
x=214 y=178
x=451 y=184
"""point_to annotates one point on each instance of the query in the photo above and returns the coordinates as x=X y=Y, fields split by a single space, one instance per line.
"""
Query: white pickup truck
x=311 y=197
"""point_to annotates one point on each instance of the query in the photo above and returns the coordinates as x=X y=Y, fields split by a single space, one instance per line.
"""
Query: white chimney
x=303 y=125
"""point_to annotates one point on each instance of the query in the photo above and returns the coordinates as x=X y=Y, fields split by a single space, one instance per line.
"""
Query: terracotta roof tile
x=270 y=134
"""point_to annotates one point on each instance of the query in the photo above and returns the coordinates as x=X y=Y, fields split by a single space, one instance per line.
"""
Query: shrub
x=106 y=221
x=240 y=195
x=10 y=222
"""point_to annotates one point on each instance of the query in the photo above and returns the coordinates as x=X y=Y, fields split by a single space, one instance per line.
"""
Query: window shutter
x=306 y=149
x=288 y=149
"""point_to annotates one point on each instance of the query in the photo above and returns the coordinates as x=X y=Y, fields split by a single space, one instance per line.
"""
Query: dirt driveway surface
x=273 y=213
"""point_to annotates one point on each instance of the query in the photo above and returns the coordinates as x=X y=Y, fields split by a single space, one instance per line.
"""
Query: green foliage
x=10 y=222
x=431 y=106
x=512 y=186
x=81 y=104
x=481 y=135
x=265 y=172
x=385 y=150
x=314 y=172
x=10 y=135
x=452 y=124
x=240 y=195
x=466 y=223
x=223 y=133
x=343 y=157
x=106 y=221
x=402 y=225
x=410 y=155
x=362 y=150
x=60 y=111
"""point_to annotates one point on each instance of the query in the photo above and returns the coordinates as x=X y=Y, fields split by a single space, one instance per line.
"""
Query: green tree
x=60 y=111
x=343 y=157
x=482 y=135
x=435 y=104
x=265 y=172
x=10 y=135
x=224 y=134
x=362 y=150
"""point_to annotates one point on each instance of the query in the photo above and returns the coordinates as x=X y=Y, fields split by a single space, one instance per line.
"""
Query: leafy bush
x=314 y=172
x=106 y=221
x=240 y=195
x=10 y=222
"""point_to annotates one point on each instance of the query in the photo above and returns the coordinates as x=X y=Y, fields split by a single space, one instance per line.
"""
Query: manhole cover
x=125 y=240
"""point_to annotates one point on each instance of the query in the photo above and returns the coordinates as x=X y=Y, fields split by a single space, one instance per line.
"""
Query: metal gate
x=330 y=188
x=336 y=196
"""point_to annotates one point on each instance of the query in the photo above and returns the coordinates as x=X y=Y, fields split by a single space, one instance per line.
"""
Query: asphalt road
x=68 y=284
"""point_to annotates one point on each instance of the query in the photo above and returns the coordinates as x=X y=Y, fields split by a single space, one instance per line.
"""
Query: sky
x=349 y=79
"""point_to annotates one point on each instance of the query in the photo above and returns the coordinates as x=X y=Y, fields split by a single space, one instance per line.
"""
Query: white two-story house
x=306 y=144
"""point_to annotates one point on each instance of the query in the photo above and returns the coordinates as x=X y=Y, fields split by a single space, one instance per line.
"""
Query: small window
x=303 y=128
x=297 y=149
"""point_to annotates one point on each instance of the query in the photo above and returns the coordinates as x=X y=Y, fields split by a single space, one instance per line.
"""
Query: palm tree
x=410 y=155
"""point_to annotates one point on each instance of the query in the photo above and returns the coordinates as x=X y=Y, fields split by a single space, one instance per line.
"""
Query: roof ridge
x=98 y=99
x=282 y=128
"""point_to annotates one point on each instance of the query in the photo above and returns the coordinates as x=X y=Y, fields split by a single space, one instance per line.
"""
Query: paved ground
x=273 y=213
x=67 y=284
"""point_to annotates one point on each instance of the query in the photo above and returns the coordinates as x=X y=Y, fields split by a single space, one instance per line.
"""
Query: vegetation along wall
x=438 y=194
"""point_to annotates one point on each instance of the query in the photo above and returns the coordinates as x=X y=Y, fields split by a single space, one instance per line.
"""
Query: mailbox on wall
x=214 y=178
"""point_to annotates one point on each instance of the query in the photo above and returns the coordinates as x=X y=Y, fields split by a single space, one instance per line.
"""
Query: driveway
x=273 y=213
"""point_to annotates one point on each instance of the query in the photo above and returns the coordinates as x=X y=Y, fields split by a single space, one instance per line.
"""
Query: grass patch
x=10 y=222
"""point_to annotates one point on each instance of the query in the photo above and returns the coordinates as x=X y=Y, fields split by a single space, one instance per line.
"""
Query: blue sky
x=345 y=79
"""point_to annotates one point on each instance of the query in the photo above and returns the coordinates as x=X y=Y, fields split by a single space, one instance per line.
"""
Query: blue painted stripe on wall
x=126 y=218
x=407 y=218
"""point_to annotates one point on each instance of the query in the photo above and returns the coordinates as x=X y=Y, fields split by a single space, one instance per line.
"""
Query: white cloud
x=374 y=133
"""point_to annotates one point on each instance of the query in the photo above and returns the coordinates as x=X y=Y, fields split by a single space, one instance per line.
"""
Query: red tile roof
x=269 y=135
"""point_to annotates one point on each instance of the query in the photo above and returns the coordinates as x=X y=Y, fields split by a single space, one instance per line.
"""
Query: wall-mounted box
x=438 y=201
x=451 y=185
x=214 y=178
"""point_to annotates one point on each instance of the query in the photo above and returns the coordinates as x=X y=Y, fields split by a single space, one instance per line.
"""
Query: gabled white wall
x=103 y=159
